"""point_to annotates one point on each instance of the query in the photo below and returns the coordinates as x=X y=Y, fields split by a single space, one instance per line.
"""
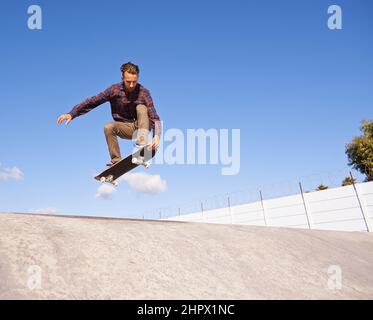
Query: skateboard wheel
x=102 y=179
x=146 y=165
x=134 y=160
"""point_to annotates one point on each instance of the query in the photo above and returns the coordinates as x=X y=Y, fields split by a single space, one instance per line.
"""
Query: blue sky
x=295 y=89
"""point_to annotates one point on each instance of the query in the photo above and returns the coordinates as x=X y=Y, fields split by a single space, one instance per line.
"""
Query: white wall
x=331 y=209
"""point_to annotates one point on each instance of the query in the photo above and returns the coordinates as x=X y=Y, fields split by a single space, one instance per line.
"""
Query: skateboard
x=139 y=157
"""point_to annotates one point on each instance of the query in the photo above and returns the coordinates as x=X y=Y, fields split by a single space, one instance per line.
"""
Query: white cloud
x=11 y=173
x=145 y=183
x=44 y=211
x=105 y=191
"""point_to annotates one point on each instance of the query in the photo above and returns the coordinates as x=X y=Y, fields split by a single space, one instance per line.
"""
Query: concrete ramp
x=94 y=258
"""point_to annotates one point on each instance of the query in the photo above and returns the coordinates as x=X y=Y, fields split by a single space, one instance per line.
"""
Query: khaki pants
x=138 y=129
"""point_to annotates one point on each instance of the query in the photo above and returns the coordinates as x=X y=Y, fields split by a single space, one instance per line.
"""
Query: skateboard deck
x=140 y=157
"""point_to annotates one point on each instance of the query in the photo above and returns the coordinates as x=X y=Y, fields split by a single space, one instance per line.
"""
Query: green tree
x=321 y=187
x=360 y=151
x=348 y=181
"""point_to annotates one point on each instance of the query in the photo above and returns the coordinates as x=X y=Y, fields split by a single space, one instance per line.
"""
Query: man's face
x=130 y=81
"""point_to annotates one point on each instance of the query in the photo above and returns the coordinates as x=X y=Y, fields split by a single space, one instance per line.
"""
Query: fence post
x=203 y=216
x=230 y=209
x=306 y=208
x=264 y=209
x=179 y=212
x=363 y=210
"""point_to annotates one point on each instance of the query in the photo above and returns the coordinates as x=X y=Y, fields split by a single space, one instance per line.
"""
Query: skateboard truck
x=140 y=161
x=109 y=179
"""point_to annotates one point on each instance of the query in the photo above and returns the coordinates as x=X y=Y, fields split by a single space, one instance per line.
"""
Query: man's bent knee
x=141 y=108
x=109 y=128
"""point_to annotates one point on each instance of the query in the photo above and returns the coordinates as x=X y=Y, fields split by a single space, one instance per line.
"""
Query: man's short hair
x=130 y=68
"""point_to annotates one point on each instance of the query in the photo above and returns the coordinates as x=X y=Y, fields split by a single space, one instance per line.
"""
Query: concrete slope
x=90 y=258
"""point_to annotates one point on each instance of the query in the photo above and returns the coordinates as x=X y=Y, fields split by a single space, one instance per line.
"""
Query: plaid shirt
x=123 y=104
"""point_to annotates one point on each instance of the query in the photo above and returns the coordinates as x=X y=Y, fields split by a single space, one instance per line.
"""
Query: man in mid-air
x=132 y=109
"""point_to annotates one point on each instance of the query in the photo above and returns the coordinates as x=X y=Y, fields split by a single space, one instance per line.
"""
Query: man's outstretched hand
x=155 y=143
x=63 y=117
